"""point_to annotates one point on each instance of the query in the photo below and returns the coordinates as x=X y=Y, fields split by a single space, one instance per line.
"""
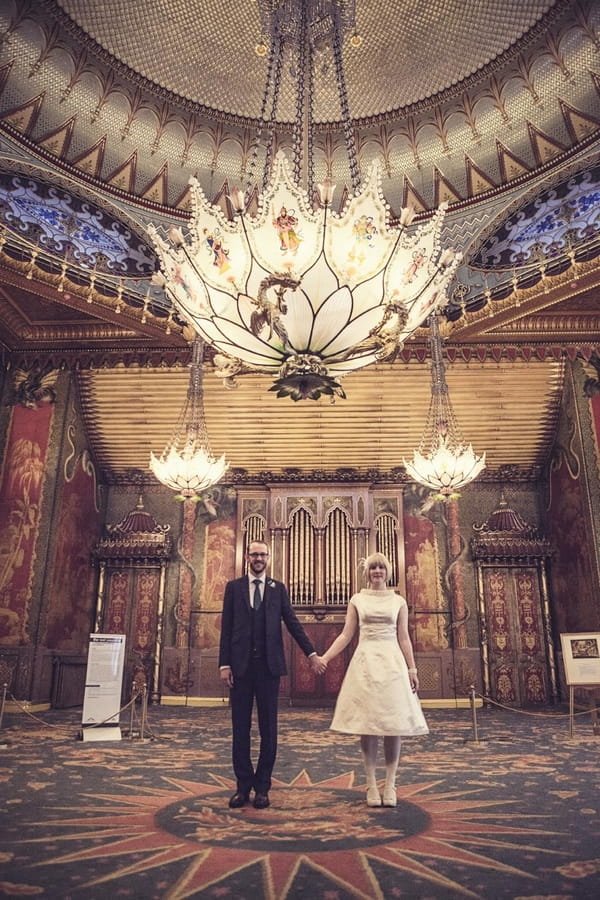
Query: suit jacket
x=236 y=626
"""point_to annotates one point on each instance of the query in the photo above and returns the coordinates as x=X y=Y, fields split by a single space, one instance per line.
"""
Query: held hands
x=317 y=664
x=227 y=676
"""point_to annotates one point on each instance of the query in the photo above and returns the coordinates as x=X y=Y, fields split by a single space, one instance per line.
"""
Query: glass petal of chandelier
x=297 y=290
x=442 y=462
x=187 y=464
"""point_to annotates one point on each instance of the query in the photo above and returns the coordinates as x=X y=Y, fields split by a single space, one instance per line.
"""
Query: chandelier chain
x=265 y=121
x=310 y=156
x=195 y=395
x=441 y=419
x=269 y=154
x=302 y=130
x=345 y=107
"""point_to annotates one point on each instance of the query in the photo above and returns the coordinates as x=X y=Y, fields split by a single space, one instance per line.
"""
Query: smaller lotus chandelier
x=285 y=285
x=187 y=464
x=443 y=462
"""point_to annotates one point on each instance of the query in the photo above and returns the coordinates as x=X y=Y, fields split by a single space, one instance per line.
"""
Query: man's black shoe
x=238 y=800
x=261 y=801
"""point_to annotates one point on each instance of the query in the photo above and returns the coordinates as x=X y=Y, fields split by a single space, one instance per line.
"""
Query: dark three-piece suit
x=252 y=645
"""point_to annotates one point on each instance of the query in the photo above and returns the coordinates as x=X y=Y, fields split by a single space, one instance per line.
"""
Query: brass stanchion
x=134 y=696
x=139 y=692
x=3 y=703
x=144 y=711
x=3 y=743
x=474 y=715
x=475 y=739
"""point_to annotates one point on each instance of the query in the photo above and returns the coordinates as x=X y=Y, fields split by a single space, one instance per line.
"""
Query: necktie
x=256 y=602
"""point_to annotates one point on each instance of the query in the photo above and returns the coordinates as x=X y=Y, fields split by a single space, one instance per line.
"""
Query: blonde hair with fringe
x=365 y=564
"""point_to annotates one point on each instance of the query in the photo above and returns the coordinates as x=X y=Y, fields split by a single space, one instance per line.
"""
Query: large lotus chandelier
x=443 y=462
x=301 y=295
x=292 y=288
x=187 y=464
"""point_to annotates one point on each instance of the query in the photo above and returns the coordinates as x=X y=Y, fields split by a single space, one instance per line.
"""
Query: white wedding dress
x=376 y=696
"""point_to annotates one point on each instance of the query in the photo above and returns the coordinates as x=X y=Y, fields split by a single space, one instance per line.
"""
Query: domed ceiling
x=108 y=108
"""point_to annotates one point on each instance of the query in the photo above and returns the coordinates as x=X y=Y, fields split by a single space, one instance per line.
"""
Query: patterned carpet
x=514 y=815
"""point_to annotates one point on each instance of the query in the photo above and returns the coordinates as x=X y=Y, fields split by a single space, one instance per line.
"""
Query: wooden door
x=518 y=668
x=131 y=609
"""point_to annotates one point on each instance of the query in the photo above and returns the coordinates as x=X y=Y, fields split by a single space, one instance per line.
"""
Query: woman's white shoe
x=389 y=797
x=373 y=797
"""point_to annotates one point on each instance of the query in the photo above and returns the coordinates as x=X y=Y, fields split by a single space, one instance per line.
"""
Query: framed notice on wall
x=581 y=657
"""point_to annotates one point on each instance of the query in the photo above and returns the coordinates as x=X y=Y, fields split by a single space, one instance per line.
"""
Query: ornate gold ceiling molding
x=131 y=480
x=497 y=315
x=126 y=323
x=561 y=326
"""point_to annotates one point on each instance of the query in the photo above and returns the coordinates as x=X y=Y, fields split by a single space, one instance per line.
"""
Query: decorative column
x=187 y=575
x=454 y=575
x=547 y=619
x=100 y=596
x=160 y=617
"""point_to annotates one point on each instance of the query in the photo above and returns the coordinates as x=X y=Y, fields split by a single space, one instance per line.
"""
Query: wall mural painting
x=220 y=568
x=571 y=570
x=515 y=635
x=500 y=630
x=71 y=599
x=423 y=586
x=559 y=220
x=20 y=503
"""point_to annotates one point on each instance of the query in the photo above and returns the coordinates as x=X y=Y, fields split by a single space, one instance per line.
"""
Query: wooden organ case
x=318 y=534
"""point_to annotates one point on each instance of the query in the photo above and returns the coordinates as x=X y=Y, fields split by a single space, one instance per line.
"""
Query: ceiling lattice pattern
x=138 y=98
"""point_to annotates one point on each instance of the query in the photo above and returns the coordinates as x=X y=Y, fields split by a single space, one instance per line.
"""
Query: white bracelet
x=412 y=671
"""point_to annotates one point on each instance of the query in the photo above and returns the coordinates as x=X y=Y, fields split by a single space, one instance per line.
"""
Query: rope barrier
x=571 y=715
x=143 y=723
x=31 y=715
x=525 y=712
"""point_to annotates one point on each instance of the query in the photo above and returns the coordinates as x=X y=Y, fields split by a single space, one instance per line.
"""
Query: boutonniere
x=271 y=583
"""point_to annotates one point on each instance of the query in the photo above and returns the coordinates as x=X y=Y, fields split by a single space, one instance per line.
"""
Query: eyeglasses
x=258 y=555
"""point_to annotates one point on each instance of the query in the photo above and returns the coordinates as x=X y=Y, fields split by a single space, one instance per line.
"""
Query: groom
x=251 y=661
